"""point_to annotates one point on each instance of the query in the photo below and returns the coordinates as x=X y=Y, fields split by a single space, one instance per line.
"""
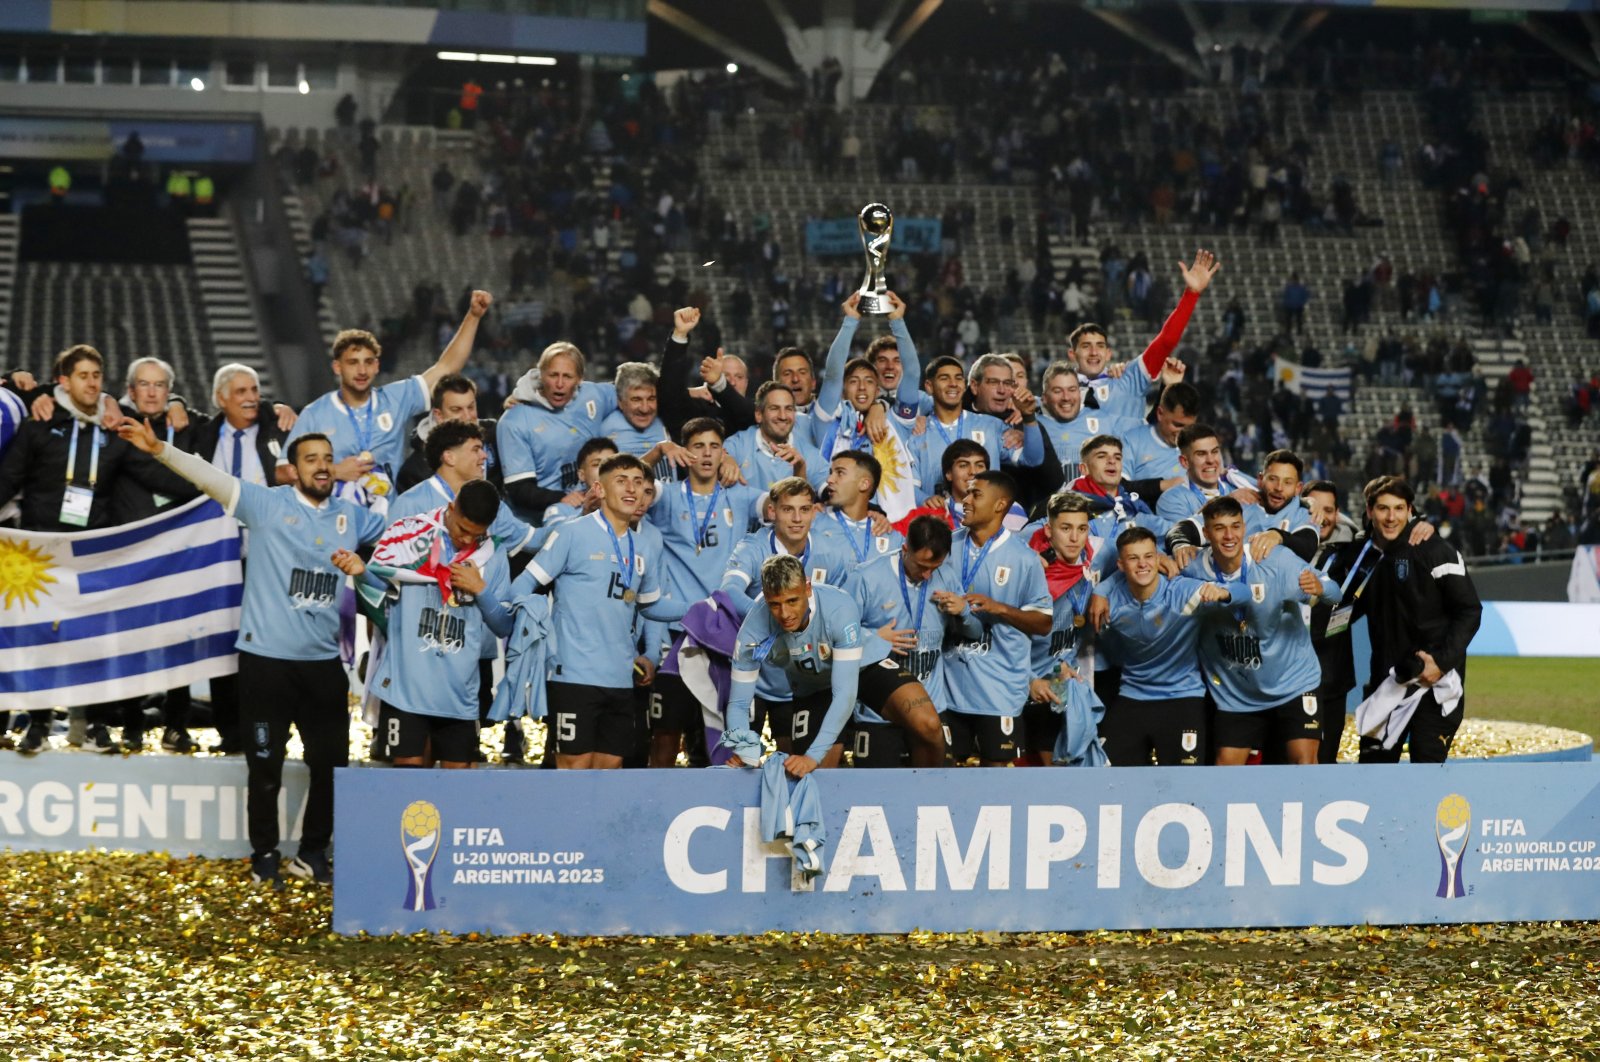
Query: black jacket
x=36 y=463
x=1421 y=597
x=676 y=408
x=1336 y=652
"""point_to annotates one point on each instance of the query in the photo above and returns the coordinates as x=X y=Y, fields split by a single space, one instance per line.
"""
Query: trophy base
x=872 y=304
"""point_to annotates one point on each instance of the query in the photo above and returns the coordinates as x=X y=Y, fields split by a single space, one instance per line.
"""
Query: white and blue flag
x=96 y=616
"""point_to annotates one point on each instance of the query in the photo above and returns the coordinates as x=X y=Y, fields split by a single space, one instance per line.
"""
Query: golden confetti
x=118 y=956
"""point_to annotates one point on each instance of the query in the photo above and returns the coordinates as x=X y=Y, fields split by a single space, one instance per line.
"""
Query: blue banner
x=680 y=852
x=831 y=237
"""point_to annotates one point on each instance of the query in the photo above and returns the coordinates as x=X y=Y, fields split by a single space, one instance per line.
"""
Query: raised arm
x=674 y=404
x=832 y=388
x=455 y=355
x=1196 y=278
x=909 y=393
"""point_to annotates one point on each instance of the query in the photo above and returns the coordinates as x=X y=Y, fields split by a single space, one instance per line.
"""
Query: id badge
x=1339 y=620
x=75 y=506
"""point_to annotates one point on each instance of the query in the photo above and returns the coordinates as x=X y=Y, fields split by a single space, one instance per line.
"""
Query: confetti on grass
x=118 y=956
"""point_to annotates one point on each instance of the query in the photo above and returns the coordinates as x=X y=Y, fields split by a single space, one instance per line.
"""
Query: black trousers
x=311 y=696
x=1430 y=735
x=1333 y=720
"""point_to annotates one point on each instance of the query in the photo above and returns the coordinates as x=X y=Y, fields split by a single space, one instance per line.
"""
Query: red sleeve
x=1162 y=346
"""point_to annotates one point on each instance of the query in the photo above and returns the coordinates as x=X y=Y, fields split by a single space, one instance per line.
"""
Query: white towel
x=1387 y=713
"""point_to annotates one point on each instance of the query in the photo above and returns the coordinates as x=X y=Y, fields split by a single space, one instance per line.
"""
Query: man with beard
x=367 y=424
x=290 y=673
x=1067 y=423
x=775 y=448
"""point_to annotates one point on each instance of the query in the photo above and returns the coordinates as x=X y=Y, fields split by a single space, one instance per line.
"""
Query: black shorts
x=990 y=738
x=777 y=715
x=1294 y=720
x=1042 y=725
x=409 y=735
x=672 y=707
x=877 y=745
x=589 y=719
x=877 y=684
x=1174 y=729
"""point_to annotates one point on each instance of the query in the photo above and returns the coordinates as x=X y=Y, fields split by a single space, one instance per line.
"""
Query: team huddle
x=884 y=563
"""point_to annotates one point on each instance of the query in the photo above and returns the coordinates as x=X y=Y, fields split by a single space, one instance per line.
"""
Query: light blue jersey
x=700 y=532
x=1069 y=632
x=430 y=666
x=929 y=447
x=638 y=441
x=291 y=592
x=378 y=427
x=600 y=580
x=856 y=536
x=1146 y=455
x=988 y=674
x=1123 y=396
x=541 y=443
x=826 y=561
x=762 y=468
x=1154 y=641
x=826 y=653
x=1256 y=651
x=1068 y=436
x=886 y=596
x=510 y=534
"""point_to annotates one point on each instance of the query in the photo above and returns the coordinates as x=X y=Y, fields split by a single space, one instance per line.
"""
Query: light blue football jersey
x=988 y=674
x=700 y=532
x=541 y=443
x=291 y=589
x=378 y=427
x=885 y=596
x=594 y=600
x=826 y=653
x=1146 y=455
x=430 y=666
x=1256 y=651
x=1154 y=641
x=762 y=468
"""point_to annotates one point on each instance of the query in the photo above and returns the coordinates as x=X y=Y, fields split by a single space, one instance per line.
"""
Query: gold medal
x=366 y=455
x=629 y=596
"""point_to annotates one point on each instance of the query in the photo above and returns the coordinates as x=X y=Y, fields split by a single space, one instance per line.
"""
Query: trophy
x=877 y=225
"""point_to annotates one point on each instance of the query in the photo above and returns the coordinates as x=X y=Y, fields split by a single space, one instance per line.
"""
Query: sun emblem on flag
x=888 y=455
x=24 y=573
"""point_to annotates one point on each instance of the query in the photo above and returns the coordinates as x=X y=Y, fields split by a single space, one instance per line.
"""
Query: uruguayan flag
x=13 y=413
x=97 y=616
x=1312 y=383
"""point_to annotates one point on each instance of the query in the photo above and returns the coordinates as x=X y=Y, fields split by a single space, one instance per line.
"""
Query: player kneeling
x=813 y=634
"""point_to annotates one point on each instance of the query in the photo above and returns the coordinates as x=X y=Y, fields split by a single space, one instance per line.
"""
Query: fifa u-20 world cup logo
x=1452 y=823
x=419 y=839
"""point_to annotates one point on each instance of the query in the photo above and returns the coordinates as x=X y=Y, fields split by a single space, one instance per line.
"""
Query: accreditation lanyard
x=922 y=599
x=866 y=536
x=778 y=550
x=946 y=436
x=1356 y=567
x=444 y=488
x=362 y=426
x=970 y=566
x=1241 y=614
x=616 y=549
x=701 y=523
x=94 y=456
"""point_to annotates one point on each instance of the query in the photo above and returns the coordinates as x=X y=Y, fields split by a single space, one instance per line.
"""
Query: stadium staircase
x=300 y=230
x=10 y=241
x=422 y=249
x=225 y=297
x=1561 y=351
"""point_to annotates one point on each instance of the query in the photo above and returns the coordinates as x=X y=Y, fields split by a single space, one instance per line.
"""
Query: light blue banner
x=831 y=237
x=68 y=801
x=679 y=852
